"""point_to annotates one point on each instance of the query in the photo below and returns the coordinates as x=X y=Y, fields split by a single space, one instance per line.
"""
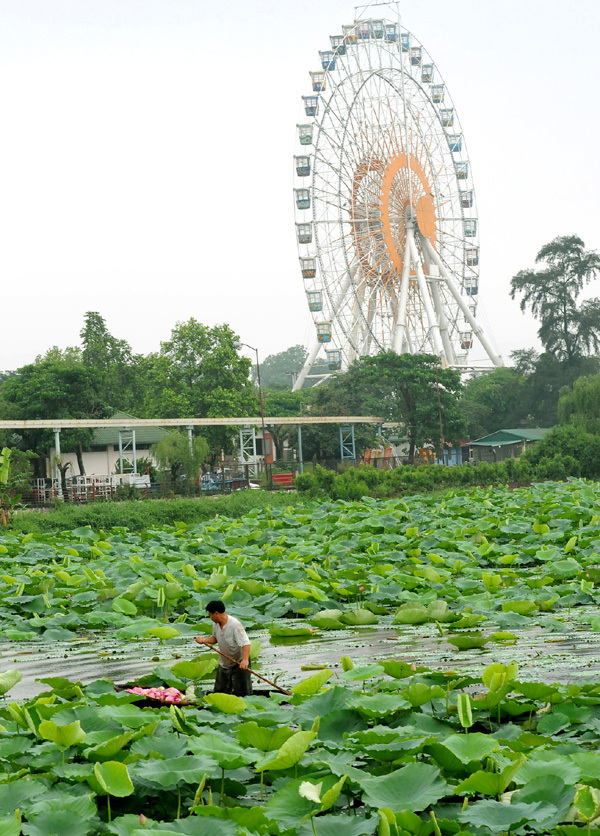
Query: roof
x=516 y=436
x=103 y=436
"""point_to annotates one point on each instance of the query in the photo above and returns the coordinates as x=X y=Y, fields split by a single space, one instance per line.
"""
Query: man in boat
x=232 y=676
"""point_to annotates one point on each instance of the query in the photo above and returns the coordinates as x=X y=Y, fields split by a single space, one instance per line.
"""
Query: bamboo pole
x=260 y=676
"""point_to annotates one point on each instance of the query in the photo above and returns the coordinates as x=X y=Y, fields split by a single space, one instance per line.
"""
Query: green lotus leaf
x=490 y=783
x=168 y=774
x=412 y=614
x=498 y=817
x=467 y=641
x=10 y=827
x=470 y=747
x=289 y=754
x=336 y=724
x=552 y=791
x=419 y=693
x=359 y=617
x=261 y=738
x=164 y=632
x=312 y=684
x=64 y=736
x=8 y=679
x=114 y=779
x=414 y=787
x=521 y=607
x=109 y=748
x=378 y=705
x=289 y=632
x=399 y=670
x=123 y=605
x=227 y=753
x=565 y=569
x=227 y=703
x=334 y=825
x=548 y=763
x=196 y=668
x=362 y=672
x=287 y=807
x=52 y=822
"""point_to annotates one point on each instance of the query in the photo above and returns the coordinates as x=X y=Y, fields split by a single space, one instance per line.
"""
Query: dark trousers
x=233 y=681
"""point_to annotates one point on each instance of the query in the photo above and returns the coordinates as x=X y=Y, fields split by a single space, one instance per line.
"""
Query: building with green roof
x=505 y=444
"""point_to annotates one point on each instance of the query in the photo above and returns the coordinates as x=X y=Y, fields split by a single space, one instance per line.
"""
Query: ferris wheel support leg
x=439 y=307
x=312 y=355
x=478 y=330
x=401 y=331
x=426 y=298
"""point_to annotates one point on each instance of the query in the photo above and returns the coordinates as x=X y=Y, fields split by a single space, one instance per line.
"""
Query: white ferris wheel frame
x=388 y=219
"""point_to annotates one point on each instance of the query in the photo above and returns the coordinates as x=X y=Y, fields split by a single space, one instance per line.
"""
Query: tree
x=567 y=331
x=409 y=389
x=579 y=405
x=54 y=390
x=542 y=388
x=180 y=456
x=494 y=401
x=114 y=362
x=281 y=404
x=199 y=373
x=278 y=371
x=413 y=390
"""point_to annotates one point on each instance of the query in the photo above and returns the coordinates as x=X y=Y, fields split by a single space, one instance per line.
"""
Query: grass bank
x=141 y=515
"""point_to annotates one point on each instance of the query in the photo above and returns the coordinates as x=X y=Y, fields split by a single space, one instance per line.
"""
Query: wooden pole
x=264 y=678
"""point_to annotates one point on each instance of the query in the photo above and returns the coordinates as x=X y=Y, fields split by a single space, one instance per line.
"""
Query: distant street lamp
x=260 y=400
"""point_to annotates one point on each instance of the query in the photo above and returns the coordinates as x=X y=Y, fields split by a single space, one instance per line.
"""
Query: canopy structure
x=502 y=437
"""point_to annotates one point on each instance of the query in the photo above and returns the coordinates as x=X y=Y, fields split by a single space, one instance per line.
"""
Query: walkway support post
x=300 y=456
x=57 y=461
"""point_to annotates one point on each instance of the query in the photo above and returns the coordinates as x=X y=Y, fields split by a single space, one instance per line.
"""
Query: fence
x=232 y=476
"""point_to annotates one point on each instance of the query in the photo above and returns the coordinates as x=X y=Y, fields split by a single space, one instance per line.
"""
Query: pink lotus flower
x=166 y=695
x=143 y=819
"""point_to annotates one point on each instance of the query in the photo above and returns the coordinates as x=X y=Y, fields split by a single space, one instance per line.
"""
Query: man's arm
x=245 y=657
x=205 y=639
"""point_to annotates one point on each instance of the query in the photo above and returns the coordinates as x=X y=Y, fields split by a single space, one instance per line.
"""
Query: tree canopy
x=567 y=330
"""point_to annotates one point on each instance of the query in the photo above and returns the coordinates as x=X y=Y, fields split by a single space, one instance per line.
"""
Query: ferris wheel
x=386 y=220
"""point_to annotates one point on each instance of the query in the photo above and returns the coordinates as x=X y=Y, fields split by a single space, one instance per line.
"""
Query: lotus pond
x=454 y=642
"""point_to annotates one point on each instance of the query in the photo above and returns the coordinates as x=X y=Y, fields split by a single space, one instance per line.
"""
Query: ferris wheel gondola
x=386 y=218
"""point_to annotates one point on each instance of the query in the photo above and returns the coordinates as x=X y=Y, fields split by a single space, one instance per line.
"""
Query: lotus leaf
x=289 y=754
x=227 y=703
x=312 y=684
x=163 y=632
x=10 y=827
x=413 y=787
x=168 y=774
x=114 y=779
x=64 y=736
x=263 y=739
x=8 y=679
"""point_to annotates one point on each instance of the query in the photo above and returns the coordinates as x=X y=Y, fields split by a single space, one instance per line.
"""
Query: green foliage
x=142 y=515
x=199 y=371
x=358 y=482
x=566 y=451
x=567 y=331
x=180 y=456
x=580 y=405
x=278 y=370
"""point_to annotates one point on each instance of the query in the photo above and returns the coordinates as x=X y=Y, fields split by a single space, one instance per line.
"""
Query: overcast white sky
x=146 y=157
